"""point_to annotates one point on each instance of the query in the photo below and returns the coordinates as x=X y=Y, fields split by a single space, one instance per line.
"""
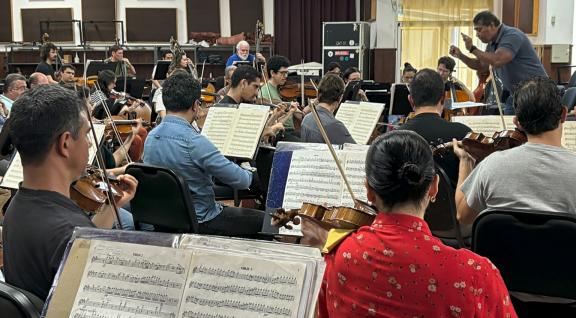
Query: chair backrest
x=569 y=98
x=534 y=251
x=18 y=303
x=441 y=215
x=162 y=199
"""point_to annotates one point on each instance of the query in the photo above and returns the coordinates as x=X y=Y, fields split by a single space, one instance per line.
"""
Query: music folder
x=161 y=70
x=94 y=67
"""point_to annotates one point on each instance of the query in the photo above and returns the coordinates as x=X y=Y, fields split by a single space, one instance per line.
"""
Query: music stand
x=134 y=86
x=240 y=63
x=160 y=71
x=399 y=104
x=94 y=67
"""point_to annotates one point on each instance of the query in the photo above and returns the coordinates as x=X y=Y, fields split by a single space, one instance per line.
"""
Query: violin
x=208 y=94
x=479 y=146
x=90 y=191
x=138 y=108
x=124 y=126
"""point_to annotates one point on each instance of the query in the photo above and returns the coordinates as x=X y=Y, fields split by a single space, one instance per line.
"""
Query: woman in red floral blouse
x=395 y=267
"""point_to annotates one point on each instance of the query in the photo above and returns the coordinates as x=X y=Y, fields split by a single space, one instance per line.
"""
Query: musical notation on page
x=360 y=119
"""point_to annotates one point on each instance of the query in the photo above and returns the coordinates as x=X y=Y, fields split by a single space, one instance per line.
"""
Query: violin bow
x=495 y=89
x=99 y=158
x=265 y=83
x=332 y=152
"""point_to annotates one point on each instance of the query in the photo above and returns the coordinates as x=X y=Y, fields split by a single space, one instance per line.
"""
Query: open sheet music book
x=15 y=174
x=488 y=125
x=360 y=119
x=236 y=132
x=202 y=277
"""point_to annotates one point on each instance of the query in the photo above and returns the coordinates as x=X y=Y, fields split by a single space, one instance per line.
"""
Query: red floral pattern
x=396 y=268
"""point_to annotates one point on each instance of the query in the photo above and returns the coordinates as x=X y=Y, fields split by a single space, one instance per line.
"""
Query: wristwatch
x=472 y=48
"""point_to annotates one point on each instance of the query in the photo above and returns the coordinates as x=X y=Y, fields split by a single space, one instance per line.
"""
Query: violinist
x=244 y=86
x=505 y=179
x=445 y=68
x=277 y=69
x=330 y=92
x=36 y=79
x=48 y=55
x=352 y=76
x=41 y=217
x=396 y=267
x=427 y=99
x=124 y=66
x=334 y=68
x=177 y=145
x=67 y=72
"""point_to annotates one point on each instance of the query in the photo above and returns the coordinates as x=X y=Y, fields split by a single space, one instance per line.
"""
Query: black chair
x=17 y=303
x=534 y=253
x=569 y=98
x=162 y=199
x=441 y=215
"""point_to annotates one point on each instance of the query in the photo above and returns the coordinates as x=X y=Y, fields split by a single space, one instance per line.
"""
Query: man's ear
x=63 y=144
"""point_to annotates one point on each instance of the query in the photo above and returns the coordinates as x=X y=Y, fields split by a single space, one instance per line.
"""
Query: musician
x=227 y=79
x=427 y=99
x=445 y=68
x=167 y=56
x=396 y=267
x=37 y=79
x=244 y=86
x=352 y=76
x=41 y=217
x=277 y=69
x=334 y=68
x=243 y=54
x=509 y=51
x=103 y=95
x=330 y=92
x=504 y=180
x=67 y=72
x=48 y=54
x=124 y=65
x=180 y=61
x=408 y=73
x=177 y=145
x=14 y=86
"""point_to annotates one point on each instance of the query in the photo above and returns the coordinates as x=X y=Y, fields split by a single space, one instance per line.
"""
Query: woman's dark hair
x=400 y=167
x=106 y=77
x=408 y=68
x=332 y=66
x=330 y=89
x=538 y=105
x=349 y=71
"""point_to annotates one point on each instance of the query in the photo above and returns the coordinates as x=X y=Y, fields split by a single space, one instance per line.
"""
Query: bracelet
x=472 y=48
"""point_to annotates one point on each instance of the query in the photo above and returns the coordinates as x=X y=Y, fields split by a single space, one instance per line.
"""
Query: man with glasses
x=14 y=86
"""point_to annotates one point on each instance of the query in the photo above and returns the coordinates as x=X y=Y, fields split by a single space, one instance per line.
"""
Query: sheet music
x=123 y=280
x=246 y=133
x=360 y=119
x=569 y=135
x=228 y=286
x=354 y=168
x=458 y=105
x=15 y=173
x=218 y=124
x=312 y=177
x=487 y=125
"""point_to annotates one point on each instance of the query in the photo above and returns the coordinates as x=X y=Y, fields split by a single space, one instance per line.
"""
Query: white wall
x=559 y=32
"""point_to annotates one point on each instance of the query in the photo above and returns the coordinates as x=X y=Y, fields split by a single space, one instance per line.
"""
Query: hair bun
x=410 y=173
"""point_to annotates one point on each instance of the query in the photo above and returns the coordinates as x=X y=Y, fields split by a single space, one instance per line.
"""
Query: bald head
x=37 y=79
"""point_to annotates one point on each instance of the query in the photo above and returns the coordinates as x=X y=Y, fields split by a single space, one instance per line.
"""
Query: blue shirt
x=176 y=145
x=525 y=63
x=6 y=101
x=235 y=58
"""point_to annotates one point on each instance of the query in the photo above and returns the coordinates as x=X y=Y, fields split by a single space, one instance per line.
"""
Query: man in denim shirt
x=177 y=145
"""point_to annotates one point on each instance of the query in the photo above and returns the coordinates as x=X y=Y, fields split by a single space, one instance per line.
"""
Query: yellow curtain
x=429 y=27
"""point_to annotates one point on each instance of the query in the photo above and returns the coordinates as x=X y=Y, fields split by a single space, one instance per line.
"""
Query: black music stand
x=399 y=104
x=160 y=71
x=134 y=86
x=94 y=67
x=240 y=63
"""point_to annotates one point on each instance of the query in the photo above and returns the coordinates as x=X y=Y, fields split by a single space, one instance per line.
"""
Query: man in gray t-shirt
x=509 y=51
x=538 y=176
